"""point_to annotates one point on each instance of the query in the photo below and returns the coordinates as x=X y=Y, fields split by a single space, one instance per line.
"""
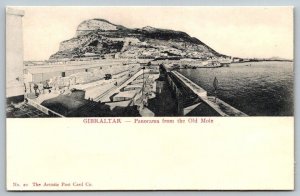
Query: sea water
x=255 y=88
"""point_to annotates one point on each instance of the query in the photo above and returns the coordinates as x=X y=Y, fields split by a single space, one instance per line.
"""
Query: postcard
x=149 y=98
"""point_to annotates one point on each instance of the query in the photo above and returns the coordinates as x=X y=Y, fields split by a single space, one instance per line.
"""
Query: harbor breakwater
x=191 y=97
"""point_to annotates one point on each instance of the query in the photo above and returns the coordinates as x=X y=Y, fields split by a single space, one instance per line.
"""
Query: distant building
x=236 y=60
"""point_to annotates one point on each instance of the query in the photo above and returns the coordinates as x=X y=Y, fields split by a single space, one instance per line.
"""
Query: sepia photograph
x=149 y=98
x=124 y=62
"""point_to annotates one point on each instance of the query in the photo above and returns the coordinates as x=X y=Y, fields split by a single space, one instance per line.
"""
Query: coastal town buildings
x=130 y=77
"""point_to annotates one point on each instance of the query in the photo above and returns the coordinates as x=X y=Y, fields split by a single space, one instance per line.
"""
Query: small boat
x=216 y=87
x=216 y=84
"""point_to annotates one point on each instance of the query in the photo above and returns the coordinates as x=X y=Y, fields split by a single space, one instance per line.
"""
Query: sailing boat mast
x=216 y=85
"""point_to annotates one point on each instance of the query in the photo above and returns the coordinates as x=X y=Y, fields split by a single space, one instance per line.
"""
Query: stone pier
x=192 y=99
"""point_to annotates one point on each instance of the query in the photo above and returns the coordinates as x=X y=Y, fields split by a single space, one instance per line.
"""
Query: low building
x=133 y=87
x=124 y=96
x=137 y=81
x=42 y=73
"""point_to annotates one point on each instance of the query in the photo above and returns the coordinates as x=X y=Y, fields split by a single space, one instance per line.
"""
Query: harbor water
x=256 y=88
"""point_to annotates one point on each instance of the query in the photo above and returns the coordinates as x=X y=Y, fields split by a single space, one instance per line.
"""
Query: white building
x=14 y=54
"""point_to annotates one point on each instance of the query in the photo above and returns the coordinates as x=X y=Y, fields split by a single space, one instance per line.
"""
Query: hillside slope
x=99 y=37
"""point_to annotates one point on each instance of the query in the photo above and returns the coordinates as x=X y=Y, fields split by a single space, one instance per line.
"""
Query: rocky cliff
x=101 y=39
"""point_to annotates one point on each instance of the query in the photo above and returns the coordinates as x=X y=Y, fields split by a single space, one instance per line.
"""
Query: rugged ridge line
x=99 y=38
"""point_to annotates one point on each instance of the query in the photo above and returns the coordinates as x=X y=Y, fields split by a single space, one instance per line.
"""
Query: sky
x=260 y=32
